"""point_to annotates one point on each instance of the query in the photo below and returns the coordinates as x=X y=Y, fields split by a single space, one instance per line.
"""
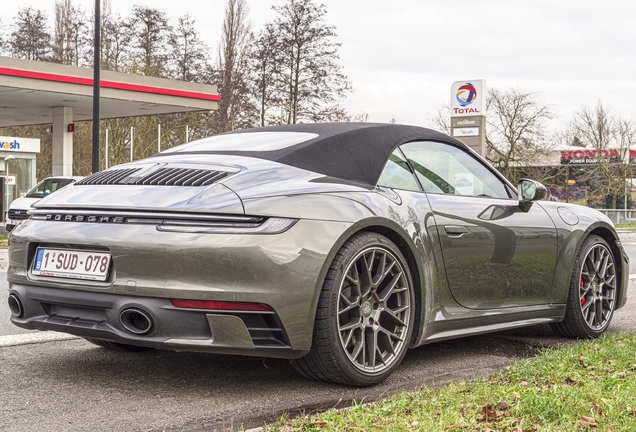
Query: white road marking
x=33 y=338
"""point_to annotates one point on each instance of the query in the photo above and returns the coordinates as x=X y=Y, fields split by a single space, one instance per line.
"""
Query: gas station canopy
x=29 y=91
x=34 y=93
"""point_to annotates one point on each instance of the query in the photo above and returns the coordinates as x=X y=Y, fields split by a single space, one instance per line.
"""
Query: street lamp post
x=6 y=189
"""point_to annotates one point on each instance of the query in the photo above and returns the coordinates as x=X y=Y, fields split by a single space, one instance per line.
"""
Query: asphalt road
x=72 y=385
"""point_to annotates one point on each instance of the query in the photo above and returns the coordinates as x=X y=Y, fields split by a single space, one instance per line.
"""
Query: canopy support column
x=62 y=141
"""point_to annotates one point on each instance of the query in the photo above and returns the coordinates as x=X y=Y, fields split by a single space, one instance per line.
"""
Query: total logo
x=466 y=95
x=13 y=145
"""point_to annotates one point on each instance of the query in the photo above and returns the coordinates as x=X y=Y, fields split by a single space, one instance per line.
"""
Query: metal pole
x=187 y=132
x=159 y=138
x=625 y=201
x=106 y=148
x=6 y=192
x=131 y=143
x=96 y=82
x=567 y=183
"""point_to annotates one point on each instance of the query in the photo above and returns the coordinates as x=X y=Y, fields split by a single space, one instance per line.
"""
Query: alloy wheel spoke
x=599 y=312
x=585 y=308
x=358 y=350
x=368 y=268
x=379 y=271
x=591 y=315
x=390 y=337
x=351 y=325
x=591 y=267
x=388 y=291
x=394 y=317
x=603 y=268
x=349 y=304
x=347 y=340
x=372 y=346
x=354 y=279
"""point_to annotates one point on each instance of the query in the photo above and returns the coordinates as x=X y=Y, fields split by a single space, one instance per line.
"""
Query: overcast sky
x=403 y=55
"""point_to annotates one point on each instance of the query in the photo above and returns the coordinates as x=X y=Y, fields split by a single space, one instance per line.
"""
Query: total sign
x=468 y=98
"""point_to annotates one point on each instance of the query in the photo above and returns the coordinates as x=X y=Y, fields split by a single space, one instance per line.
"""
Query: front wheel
x=593 y=290
x=365 y=314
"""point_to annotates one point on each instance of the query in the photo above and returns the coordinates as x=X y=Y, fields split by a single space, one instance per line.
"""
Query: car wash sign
x=14 y=144
x=585 y=156
x=468 y=98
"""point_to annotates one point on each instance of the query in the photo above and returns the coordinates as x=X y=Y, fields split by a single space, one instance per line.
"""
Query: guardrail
x=620 y=216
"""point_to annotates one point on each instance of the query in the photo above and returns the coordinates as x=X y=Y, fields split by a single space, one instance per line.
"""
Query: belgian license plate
x=71 y=263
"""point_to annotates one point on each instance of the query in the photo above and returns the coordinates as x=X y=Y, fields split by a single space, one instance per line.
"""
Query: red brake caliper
x=581 y=283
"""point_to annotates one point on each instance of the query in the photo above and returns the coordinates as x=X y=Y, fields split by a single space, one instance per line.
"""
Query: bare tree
x=3 y=40
x=262 y=63
x=441 y=118
x=115 y=45
x=597 y=130
x=232 y=67
x=516 y=130
x=71 y=37
x=30 y=38
x=310 y=79
x=188 y=55
x=149 y=29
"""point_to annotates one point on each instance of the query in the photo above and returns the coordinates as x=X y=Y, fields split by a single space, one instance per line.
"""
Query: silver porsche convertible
x=338 y=246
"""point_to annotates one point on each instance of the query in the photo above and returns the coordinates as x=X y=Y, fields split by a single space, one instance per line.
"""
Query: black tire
x=593 y=291
x=360 y=310
x=117 y=346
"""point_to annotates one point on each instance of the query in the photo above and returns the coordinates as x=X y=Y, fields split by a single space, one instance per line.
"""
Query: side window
x=397 y=174
x=443 y=168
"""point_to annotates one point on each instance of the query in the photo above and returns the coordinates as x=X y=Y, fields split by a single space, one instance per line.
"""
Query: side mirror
x=529 y=191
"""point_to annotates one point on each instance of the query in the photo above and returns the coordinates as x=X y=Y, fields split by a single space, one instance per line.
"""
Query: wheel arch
x=609 y=236
x=414 y=269
x=404 y=243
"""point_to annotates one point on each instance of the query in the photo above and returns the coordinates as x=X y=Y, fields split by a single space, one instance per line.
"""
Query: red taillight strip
x=221 y=305
x=69 y=79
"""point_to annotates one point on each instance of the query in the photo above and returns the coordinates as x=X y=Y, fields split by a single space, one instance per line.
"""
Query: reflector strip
x=221 y=305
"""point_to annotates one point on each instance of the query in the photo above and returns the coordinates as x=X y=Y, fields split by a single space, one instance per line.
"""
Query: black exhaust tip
x=136 y=321
x=15 y=305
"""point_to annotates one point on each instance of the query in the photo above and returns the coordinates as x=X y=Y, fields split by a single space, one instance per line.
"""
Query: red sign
x=585 y=156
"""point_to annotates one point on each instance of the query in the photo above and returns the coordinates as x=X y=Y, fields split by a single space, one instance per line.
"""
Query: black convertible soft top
x=352 y=151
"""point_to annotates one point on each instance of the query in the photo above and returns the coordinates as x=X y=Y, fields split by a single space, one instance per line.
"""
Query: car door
x=495 y=254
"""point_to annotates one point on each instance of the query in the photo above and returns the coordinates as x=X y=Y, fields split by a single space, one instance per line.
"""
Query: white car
x=19 y=208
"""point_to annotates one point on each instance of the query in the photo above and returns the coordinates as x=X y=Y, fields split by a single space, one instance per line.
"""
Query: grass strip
x=587 y=386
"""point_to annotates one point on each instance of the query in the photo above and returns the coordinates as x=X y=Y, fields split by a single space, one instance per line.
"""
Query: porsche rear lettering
x=83 y=218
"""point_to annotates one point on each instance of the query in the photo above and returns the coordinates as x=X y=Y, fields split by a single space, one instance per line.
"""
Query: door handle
x=456 y=230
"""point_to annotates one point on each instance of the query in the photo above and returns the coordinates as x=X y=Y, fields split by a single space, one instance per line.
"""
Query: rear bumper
x=98 y=316
x=150 y=267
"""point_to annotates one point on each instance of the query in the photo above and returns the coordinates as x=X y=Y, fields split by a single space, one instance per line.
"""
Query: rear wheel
x=593 y=289
x=115 y=346
x=365 y=314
